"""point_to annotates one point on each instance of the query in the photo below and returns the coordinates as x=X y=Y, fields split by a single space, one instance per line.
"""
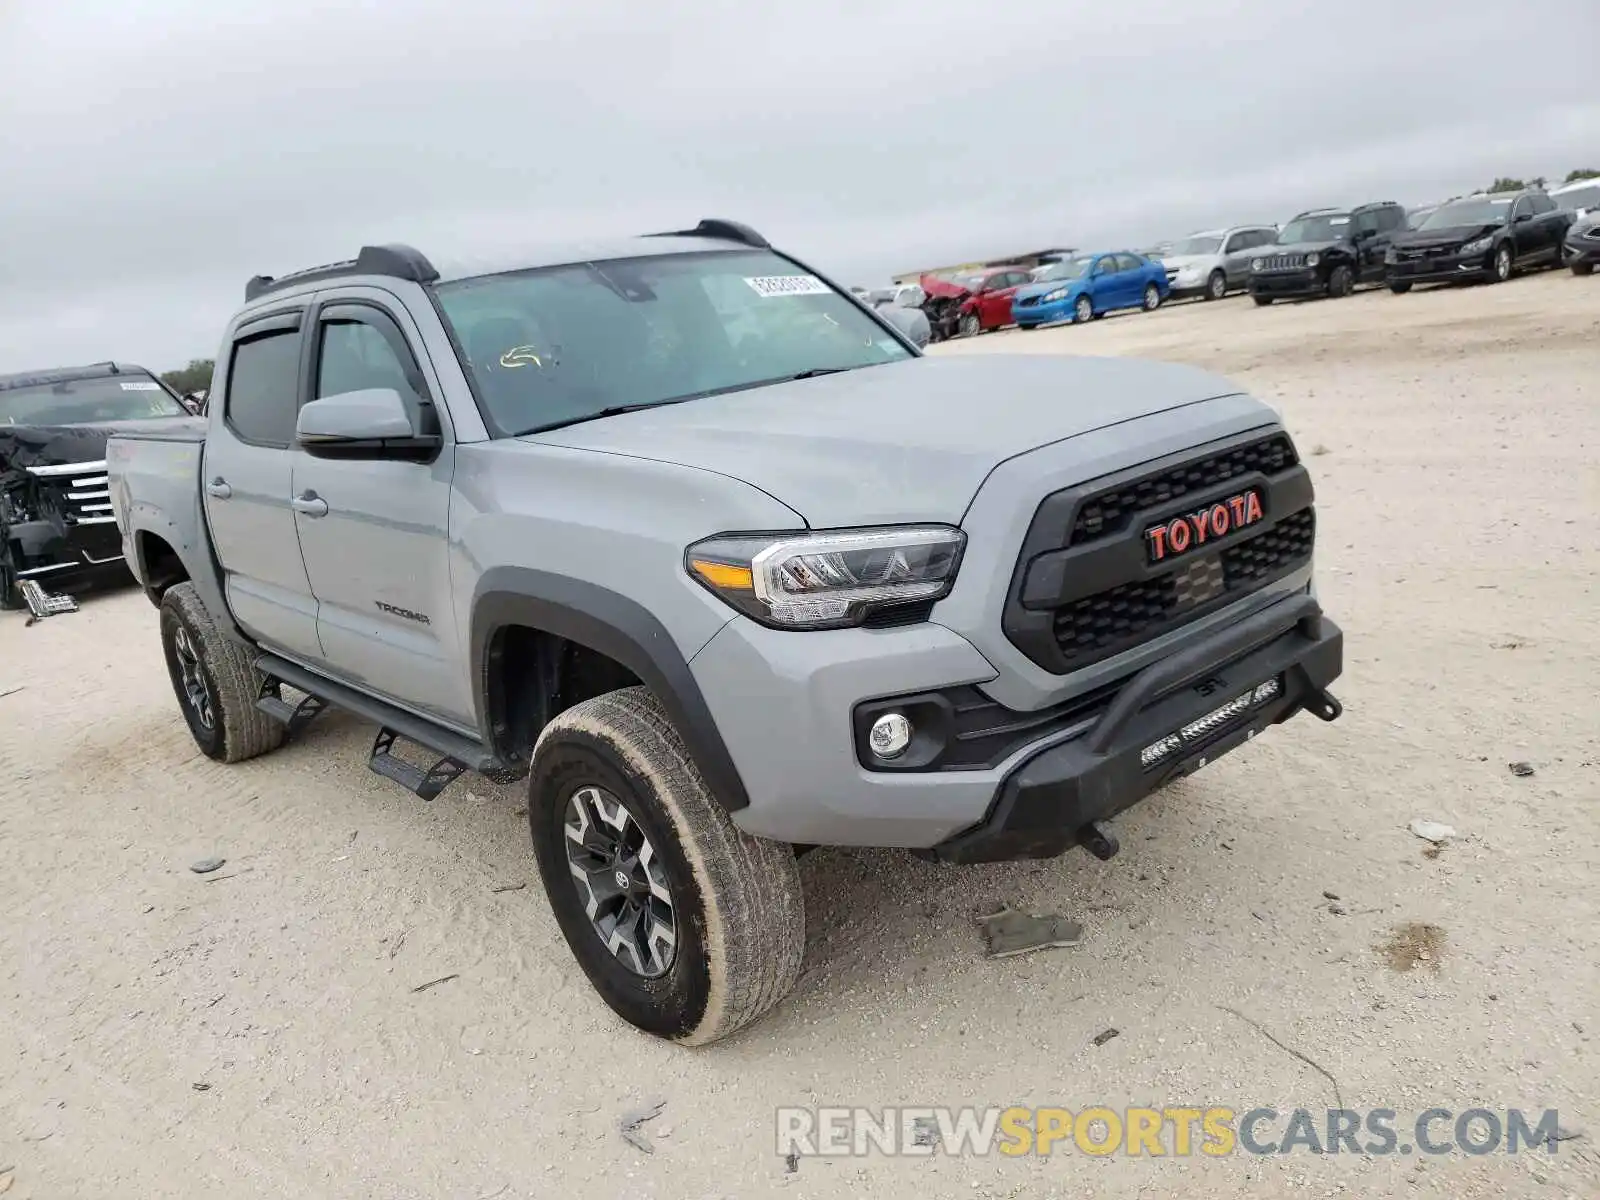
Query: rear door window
x=264 y=387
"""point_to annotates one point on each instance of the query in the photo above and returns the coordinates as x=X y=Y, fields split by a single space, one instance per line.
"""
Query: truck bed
x=154 y=478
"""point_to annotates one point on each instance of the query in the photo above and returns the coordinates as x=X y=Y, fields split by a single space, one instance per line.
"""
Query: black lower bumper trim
x=1049 y=802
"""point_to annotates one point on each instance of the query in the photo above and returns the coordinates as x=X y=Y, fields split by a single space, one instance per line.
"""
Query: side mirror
x=373 y=423
x=1521 y=217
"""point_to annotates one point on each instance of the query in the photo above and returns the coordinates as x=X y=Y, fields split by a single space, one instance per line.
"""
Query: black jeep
x=1326 y=252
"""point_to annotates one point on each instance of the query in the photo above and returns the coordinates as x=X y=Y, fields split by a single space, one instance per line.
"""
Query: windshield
x=1460 y=213
x=1195 y=245
x=557 y=345
x=1328 y=227
x=84 y=401
x=1073 y=268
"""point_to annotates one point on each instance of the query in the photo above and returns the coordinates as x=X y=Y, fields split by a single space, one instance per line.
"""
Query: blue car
x=1089 y=286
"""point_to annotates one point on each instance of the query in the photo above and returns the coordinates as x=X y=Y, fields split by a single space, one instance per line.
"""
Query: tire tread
x=247 y=732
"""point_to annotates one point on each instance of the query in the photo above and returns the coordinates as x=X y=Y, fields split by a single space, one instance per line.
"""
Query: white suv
x=1214 y=262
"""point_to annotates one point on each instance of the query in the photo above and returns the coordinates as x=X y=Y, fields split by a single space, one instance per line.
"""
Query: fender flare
x=611 y=624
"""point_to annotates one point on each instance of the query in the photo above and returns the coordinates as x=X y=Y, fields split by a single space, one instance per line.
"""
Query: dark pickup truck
x=56 y=524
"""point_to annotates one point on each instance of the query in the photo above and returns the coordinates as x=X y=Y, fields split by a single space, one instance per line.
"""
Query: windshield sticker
x=768 y=286
x=1338 y=220
x=520 y=356
x=147 y=386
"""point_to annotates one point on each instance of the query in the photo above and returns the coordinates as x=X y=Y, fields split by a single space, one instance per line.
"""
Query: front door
x=245 y=480
x=375 y=533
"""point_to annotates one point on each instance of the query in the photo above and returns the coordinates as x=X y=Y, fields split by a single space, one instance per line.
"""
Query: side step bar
x=457 y=752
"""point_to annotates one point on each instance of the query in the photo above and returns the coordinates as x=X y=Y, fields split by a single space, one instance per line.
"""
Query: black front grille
x=1027 y=302
x=1121 y=617
x=1108 y=512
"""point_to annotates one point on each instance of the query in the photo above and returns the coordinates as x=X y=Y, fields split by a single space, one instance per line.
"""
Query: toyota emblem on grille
x=1169 y=539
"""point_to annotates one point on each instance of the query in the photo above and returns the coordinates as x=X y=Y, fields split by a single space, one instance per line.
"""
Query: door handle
x=309 y=504
x=218 y=488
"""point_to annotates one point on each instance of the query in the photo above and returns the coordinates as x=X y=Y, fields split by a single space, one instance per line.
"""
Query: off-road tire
x=239 y=730
x=1401 y=288
x=737 y=902
x=1583 y=268
x=1216 y=285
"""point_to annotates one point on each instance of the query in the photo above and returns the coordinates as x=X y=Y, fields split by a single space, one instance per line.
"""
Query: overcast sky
x=156 y=153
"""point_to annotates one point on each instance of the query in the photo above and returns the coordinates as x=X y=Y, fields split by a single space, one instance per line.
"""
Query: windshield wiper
x=815 y=371
x=614 y=410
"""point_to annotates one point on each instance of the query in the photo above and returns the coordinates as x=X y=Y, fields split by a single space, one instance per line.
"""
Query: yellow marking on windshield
x=520 y=356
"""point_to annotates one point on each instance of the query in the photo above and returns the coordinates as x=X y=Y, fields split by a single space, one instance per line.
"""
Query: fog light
x=1267 y=690
x=890 y=735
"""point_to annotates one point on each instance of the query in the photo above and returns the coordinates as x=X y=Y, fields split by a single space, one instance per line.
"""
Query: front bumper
x=1452 y=269
x=790 y=706
x=1042 y=313
x=56 y=553
x=1582 y=249
x=1288 y=284
x=1050 y=801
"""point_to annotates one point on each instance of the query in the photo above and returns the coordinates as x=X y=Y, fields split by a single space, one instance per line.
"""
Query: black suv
x=55 y=505
x=1486 y=237
x=1326 y=252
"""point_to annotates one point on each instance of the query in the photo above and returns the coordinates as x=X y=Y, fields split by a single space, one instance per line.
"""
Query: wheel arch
x=555 y=612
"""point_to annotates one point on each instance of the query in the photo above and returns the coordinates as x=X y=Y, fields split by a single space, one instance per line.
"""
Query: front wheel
x=1341 y=282
x=1500 y=267
x=970 y=325
x=1152 y=297
x=1261 y=301
x=11 y=598
x=1083 y=310
x=1583 y=268
x=1400 y=287
x=215 y=680
x=687 y=927
x=1216 y=286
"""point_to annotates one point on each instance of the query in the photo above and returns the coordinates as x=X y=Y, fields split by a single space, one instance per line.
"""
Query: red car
x=981 y=299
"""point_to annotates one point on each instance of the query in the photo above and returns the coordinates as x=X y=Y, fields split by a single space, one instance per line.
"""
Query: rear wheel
x=687 y=927
x=1216 y=286
x=1083 y=310
x=1152 y=297
x=215 y=680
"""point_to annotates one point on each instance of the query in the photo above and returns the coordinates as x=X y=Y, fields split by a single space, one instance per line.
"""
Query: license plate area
x=1169 y=540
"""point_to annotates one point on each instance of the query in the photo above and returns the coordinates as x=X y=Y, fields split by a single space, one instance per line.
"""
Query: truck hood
x=909 y=441
x=23 y=446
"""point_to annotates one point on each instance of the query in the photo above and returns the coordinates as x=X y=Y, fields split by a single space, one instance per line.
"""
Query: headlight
x=1313 y=259
x=1256 y=264
x=1052 y=297
x=1479 y=246
x=827 y=580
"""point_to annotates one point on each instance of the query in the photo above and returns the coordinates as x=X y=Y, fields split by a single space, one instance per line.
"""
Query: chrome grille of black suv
x=1083 y=589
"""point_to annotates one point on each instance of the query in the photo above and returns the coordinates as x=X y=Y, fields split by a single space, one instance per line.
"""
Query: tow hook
x=1099 y=841
x=1322 y=705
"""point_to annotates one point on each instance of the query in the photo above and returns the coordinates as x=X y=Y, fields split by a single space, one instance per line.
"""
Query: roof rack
x=396 y=261
x=722 y=230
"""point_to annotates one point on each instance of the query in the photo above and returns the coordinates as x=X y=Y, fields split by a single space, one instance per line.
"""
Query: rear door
x=375 y=532
x=246 y=477
x=1550 y=223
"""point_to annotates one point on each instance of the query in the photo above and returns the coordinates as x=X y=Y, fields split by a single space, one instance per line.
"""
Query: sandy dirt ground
x=258 y=1032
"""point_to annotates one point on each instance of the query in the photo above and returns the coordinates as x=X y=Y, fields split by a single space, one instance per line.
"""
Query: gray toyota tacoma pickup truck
x=703 y=546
